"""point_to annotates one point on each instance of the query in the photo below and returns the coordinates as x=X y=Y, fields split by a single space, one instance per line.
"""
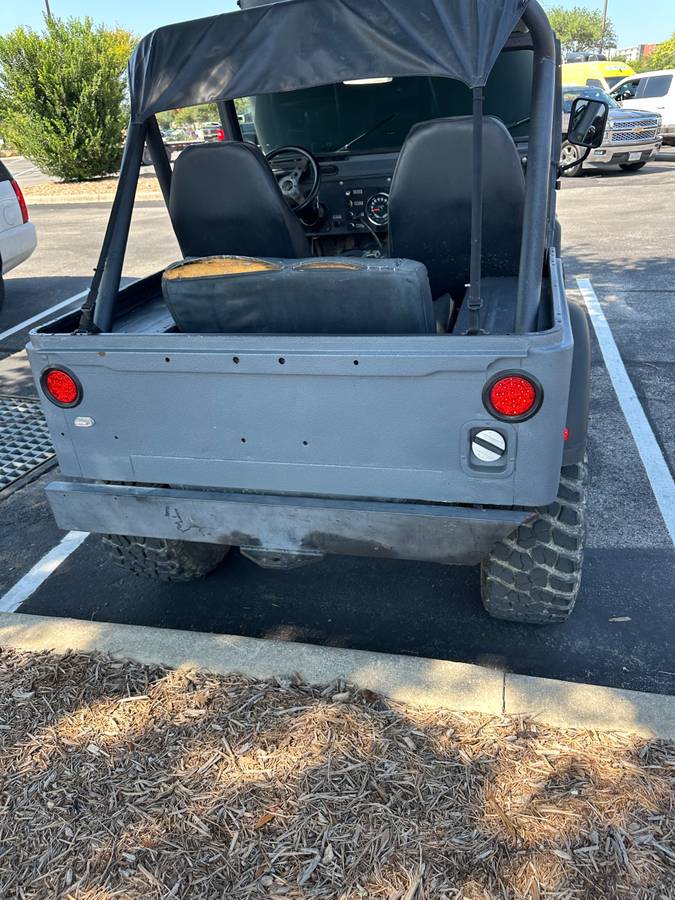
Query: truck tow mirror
x=588 y=119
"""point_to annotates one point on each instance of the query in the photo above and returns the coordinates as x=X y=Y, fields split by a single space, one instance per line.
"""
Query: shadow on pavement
x=397 y=607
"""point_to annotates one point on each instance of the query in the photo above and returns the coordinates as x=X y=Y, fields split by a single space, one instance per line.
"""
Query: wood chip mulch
x=99 y=188
x=119 y=780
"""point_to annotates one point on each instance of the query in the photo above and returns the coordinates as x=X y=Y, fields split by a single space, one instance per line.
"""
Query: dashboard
x=354 y=195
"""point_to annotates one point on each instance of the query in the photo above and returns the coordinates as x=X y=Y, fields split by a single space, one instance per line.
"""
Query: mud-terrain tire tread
x=162 y=559
x=533 y=576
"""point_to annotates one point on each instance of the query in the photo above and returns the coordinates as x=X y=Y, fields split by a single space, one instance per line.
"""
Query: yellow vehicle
x=597 y=73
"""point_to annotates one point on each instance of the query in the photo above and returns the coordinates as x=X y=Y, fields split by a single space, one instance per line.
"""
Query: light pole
x=604 y=26
x=48 y=9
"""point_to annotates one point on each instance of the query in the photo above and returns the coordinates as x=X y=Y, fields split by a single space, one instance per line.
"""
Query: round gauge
x=377 y=210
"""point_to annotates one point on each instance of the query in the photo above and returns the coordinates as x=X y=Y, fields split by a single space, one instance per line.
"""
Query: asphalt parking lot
x=618 y=232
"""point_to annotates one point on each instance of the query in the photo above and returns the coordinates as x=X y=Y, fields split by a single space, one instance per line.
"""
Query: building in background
x=632 y=54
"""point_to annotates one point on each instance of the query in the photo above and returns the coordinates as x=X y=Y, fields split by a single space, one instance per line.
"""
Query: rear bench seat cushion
x=243 y=295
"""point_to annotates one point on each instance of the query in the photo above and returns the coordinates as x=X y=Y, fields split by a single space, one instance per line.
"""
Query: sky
x=645 y=22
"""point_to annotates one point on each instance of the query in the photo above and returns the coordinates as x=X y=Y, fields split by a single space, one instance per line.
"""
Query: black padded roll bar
x=112 y=254
x=533 y=247
x=475 y=301
x=160 y=158
x=230 y=120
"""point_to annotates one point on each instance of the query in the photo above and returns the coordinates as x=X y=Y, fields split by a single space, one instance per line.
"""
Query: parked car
x=596 y=73
x=654 y=91
x=18 y=237
x=632 y=137
x=211 y=131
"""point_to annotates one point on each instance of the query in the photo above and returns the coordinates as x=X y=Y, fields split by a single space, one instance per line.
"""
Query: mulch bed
x=119 y=780
x=98 y=189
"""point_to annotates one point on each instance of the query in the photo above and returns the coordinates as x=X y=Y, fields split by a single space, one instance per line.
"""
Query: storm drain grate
x=24 y=439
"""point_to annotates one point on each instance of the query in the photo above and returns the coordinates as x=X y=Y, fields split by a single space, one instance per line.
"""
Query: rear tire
x=163 y=559
x=533 y=576
x=632 y=167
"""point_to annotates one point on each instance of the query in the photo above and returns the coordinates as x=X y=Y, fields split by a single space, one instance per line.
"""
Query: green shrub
x=62 y=96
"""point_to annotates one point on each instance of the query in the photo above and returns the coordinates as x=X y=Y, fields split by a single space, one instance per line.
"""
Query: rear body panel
x=389 y=418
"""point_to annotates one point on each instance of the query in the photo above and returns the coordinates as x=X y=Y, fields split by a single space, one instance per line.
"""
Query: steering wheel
x=298 y=174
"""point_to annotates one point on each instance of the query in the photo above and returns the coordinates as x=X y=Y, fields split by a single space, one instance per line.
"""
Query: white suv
x=18 y=238
x=654 y=91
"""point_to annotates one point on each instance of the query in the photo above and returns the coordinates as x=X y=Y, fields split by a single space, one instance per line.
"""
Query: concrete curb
x=423 y=682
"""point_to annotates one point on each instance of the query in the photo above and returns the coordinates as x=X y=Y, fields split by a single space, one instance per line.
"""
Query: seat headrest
x=430 y=202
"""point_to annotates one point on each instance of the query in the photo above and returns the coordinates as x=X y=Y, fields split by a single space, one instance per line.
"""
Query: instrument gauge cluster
x=377 y=210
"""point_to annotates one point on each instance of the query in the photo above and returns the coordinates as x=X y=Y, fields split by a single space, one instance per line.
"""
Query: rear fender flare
x=580 y=387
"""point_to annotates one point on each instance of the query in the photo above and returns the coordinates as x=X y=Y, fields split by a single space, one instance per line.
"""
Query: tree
x=62 y=96
x=580 y=28
x=661 y=57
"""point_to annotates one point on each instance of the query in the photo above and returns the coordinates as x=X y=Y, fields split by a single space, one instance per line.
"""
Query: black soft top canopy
x=296 y=44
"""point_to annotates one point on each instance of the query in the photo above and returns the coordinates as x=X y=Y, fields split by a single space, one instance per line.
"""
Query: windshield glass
x=590 y=93
x=612 y=81
x=371 y=118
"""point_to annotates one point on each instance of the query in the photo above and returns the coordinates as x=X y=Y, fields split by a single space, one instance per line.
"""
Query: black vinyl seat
x=430 y=202
x=240 y=295
x=226 y=200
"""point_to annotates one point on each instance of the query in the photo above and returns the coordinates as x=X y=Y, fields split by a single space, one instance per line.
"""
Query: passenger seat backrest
x=430 y=202
x=225 y=199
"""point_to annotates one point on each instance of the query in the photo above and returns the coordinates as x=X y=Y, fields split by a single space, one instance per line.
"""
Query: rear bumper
x=16 y=245
x=309 y=527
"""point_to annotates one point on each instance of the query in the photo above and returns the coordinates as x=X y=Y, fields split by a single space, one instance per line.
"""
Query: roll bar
x=98 y=310
x=535 y=219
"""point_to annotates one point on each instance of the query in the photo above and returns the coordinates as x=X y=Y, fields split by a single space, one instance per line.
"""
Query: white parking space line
x=42 y=315
x=653 y=459
x=41 y=571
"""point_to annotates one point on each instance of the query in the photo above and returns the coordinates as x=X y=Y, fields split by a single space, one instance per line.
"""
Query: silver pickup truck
x=632 y=137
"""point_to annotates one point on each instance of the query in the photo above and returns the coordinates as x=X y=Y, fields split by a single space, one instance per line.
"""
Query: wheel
x=568 y=155
x=534 y=575
x=632 y=167
x=162 y=559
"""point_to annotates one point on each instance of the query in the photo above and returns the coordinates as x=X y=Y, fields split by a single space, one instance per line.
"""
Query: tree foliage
x=580 y=28
x=62 y=96
x=662 y=56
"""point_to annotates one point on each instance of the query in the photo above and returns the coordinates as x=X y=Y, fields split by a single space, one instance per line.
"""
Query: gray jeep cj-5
x=366 y=348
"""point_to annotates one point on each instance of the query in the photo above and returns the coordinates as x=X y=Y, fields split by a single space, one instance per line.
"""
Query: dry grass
x=120 y=780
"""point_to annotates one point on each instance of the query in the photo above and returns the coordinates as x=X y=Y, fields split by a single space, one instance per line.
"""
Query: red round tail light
x=61 y=387
x=513 y=397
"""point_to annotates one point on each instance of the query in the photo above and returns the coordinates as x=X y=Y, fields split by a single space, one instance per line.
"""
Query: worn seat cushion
x=245 y=295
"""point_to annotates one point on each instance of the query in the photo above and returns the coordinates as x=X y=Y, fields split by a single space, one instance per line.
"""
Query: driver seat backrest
x=430 y=202
x=225 y=200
